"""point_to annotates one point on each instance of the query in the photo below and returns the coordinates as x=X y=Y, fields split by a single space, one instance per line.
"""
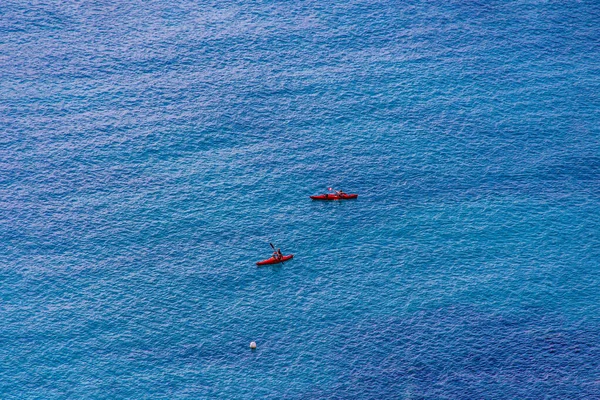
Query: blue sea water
x=150 y=151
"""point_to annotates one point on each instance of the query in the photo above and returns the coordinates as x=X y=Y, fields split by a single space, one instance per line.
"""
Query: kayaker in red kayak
x=337 y=195
x=277 y=258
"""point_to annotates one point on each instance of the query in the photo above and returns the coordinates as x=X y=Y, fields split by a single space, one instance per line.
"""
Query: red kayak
x=274 y=260
x=329 y=196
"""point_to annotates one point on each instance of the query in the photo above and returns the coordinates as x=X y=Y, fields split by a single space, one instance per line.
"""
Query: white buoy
x=253 y=345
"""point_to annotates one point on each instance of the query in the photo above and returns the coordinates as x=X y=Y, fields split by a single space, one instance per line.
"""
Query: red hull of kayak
x=334 y=197
x=274 y=260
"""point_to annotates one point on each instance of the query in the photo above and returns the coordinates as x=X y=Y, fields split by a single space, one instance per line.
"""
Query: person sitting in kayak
x=340 y=193
x=277 y=254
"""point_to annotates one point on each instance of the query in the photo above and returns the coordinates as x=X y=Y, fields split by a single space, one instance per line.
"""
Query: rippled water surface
x=150 y=151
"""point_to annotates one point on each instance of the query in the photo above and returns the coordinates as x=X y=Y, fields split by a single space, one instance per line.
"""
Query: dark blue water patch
x=459 y=353
x=581 y=169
